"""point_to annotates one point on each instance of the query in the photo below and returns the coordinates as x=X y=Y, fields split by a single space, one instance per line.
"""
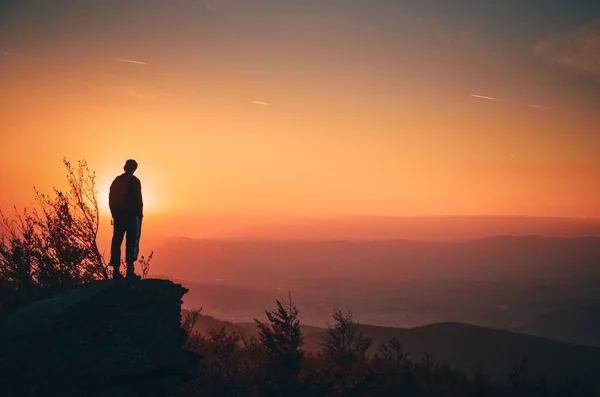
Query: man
x=126 y=208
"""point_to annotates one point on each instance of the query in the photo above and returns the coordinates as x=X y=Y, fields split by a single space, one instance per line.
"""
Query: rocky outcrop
x=107 y=338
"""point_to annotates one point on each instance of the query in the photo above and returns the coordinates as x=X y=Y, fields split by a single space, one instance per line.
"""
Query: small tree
x=393 y=351
x=347 y=368
x=519 y=379
x=189 y=319
x=53 y=246
x=282 y=337
x=20 y=256
x=69 y=223
x=342 y=341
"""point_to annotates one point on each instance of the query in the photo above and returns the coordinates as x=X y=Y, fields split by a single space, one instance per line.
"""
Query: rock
x=107 y=338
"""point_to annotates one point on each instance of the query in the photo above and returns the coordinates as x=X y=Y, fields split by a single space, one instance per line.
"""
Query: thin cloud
x=489 y=98
x=260 y=103
x=8 y=54
x=577 y=50
x=537 y=106
x=129 y=61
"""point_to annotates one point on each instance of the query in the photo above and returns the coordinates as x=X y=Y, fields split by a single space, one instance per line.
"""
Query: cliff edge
x=106 y=338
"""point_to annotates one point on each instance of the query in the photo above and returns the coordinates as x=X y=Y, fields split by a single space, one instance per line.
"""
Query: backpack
x=119 y=190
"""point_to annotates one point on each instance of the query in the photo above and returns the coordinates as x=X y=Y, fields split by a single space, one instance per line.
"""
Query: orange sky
x=233 y=110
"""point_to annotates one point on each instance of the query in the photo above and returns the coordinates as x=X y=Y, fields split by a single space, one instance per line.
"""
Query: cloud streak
x=129 y=61
x=260 y=103
x=490 y=98
x=536 y=106
x=577 y=50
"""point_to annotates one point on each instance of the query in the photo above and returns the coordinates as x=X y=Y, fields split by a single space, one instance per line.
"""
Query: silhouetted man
x=126 y=207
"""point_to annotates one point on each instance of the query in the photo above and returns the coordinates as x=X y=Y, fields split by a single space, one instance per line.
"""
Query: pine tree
x=282 y=337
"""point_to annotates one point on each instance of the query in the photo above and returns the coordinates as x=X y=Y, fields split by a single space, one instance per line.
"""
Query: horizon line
x=364 y=215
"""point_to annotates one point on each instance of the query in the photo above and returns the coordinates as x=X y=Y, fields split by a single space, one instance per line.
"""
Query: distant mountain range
x=368 y=227
x=535 y=285
x=464 y=347
x=501 y=258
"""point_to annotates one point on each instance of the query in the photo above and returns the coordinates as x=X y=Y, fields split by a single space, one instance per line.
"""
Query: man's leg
x=115 y=247
x=132 y=243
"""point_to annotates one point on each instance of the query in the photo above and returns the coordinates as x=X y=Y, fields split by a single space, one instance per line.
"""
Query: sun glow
x=153 y=203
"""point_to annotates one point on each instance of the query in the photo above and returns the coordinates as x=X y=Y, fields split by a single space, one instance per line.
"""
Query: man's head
x=130 y=166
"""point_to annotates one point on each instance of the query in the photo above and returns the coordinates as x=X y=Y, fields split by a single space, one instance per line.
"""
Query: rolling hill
x=464 y=347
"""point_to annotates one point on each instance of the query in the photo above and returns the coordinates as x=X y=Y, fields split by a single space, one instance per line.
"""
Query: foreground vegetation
x=274 y=364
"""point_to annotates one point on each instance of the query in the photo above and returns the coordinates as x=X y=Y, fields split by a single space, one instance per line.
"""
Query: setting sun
x=154 y=203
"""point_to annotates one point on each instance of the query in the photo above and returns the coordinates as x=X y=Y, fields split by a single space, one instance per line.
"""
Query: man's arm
x=110 y=200
x=139 y=200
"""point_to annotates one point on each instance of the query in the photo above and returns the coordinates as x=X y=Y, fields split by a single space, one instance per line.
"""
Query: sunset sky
x=308 y=107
